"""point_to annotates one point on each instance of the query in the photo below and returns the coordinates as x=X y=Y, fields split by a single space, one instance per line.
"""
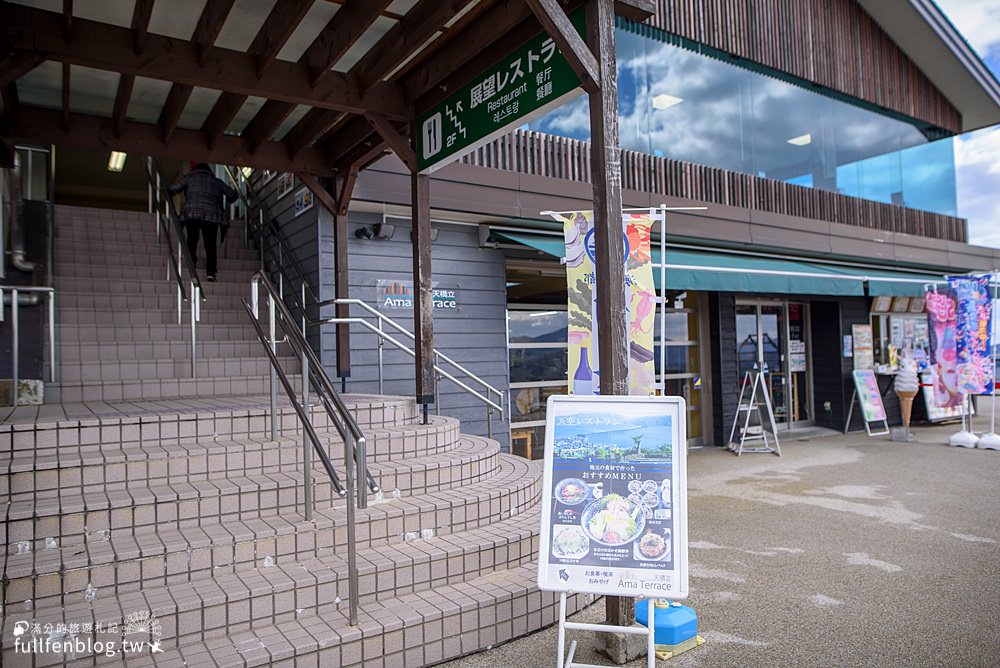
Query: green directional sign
x=534 y=78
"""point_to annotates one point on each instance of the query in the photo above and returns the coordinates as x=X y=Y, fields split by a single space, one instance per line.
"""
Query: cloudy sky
x=978 y=154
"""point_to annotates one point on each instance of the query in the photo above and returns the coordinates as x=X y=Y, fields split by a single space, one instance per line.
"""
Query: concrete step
x=163 y=369
x=154 y=285
x=165 y=388
x=74 y=353
x=69 y=515
x=392 y=451
x=132 y=265
x=47 y=428
x=166 y=303
x=443 y=605
x=211 y=314
x=157 y=334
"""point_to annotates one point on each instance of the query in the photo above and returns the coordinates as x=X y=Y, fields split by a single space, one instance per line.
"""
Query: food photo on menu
x=611 y=495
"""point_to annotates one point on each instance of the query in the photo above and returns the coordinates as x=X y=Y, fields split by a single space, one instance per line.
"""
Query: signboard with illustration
x=304 y=200
x=941 y=321
x=869 y=395
x=973 y=326
x=864 y=350
x=398 y=294
x=582 y=292
x=614 y=510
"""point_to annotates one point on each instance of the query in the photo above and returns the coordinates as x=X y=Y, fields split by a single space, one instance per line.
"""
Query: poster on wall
x=303 y=200
x=614 y=490
x=581 y=255
x=869 y=396
x=973 y=327
x=285 y=184
x=864 y=351
x=941 y=321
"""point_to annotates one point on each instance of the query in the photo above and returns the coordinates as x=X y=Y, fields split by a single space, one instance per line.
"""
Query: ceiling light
x=117 y=161
x=664 y=101
x=801 y=140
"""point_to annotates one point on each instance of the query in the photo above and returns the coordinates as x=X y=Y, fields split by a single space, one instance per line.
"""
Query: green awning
x=728 y=272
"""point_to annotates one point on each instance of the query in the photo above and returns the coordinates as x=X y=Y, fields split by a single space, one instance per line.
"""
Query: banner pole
x=991 y=440
x=663 y=300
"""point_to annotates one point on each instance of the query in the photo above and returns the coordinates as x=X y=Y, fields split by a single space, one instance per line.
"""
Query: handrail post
x=14 y=346
x=352 y=563
x=195 y=298
x=489 y=421
x=281 y=274
x=307 y=496
x=274 y=374
x=437 y=395
x=381 y=344
x=360 y=445
x=52 y=335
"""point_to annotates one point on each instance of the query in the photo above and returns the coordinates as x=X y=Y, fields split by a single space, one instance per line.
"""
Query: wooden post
x=343 y=292
x=423 y=305
x=605 y=166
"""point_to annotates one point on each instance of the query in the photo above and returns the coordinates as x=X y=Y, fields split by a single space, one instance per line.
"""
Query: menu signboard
x=614 y=510
x=869 y=395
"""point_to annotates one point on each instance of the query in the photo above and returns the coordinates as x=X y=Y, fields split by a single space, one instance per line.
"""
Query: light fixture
x=116 y=162
x=664 y=101
x=364 y=232
x=801 y=140
x=383 y=231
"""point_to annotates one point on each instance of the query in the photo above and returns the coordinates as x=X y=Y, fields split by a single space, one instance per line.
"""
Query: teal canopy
x=729 y=272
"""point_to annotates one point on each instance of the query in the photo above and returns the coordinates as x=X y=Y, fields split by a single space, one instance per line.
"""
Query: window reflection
x=684 y=105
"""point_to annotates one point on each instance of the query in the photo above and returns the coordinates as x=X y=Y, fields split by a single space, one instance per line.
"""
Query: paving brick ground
x=846 y=551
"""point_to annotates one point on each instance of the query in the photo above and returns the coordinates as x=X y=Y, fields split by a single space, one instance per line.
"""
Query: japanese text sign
x=531 y=80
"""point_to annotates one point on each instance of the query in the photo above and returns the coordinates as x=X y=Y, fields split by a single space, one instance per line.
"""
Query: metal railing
x=276 y=255
x=314 y=377
x=485 y=397
x=168 y=227
x=15 y=294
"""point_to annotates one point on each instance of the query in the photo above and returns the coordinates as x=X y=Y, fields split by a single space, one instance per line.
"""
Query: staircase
x=159 y=504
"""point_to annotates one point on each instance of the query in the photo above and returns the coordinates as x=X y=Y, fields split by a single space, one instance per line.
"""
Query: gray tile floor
x=846 y=551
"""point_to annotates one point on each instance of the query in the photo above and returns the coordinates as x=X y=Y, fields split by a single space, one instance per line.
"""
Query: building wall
x=474 y=334
x=834 y=43
x=725 y=391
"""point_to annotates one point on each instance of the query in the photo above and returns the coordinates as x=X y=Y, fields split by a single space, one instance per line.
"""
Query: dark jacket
x=205 y=197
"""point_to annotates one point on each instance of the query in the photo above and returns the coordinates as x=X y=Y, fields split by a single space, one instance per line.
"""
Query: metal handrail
x=486 y=398
x=284 y=253
x=334 y=405
x=157 y=178
x=346 y=425
x=15 y=291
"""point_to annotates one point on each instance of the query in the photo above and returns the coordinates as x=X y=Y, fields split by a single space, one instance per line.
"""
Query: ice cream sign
x=614 y=512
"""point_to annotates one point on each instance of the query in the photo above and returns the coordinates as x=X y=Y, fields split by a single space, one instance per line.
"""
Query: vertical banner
x=941 y=321
x=584 y=371
x=973 y=324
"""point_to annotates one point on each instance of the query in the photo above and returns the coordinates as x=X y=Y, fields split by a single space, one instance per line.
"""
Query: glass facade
x=677 y=103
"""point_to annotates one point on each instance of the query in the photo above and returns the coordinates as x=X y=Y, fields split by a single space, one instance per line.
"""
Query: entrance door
x=772 y=337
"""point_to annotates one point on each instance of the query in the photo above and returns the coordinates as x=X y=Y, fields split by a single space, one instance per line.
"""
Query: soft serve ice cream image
x=906 y=386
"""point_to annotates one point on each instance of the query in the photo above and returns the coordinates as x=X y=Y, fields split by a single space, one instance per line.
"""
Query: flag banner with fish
x=581 y=257
x=614 y=496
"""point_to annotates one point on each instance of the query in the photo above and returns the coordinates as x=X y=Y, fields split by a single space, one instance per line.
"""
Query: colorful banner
x=941 y=315
x=584 y=371
x=973 y=324
x=869 y=395
x=614 y=496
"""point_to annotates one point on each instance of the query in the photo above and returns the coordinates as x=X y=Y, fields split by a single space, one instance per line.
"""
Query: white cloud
x=977 y=160
x=977 y=20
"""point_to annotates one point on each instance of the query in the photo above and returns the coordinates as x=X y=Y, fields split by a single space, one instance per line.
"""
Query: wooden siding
x=539 y=154
x=833 y=43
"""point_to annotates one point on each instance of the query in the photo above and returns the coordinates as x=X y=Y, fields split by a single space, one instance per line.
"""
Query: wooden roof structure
x=322 y=87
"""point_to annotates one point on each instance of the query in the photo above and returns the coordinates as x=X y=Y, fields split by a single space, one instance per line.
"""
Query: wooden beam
x=606 y=174
x=364 y=155
x=419 y=25
x=340 y=34
x=335 y=40
x=348 y=181
x=15 y=65
x=222 y=114
x=281 y=22
x=309 y=127
x=400 y=144
x=635 y=10
x=108 y=47
x=8 y=152
x=177 y=99
x=140 y=22
x=68 y=18
x=11 y=107
x=342 y=282
x=94 y=132
x=125 y=84
x=65 y=96
x=573 y=48
x=321 y=193
x=423 y=305
x=213 y=17
x=346 y=137
x=500 y=18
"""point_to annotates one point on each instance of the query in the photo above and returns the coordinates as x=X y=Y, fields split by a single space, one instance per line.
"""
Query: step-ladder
x=750 y=407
